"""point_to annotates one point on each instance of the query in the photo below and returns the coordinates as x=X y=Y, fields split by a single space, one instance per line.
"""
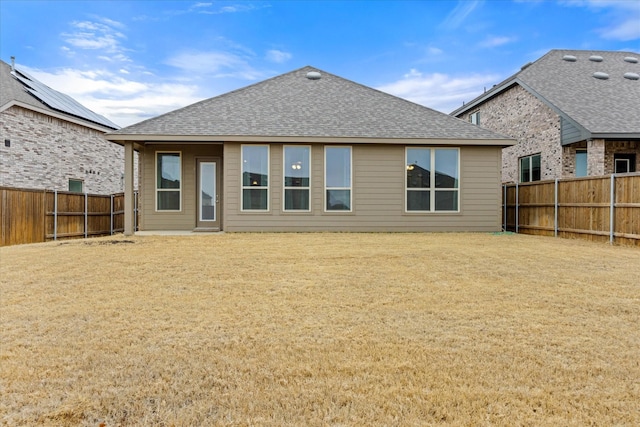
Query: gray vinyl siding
x=378 y=194
x=569 y=132
x=186 y=218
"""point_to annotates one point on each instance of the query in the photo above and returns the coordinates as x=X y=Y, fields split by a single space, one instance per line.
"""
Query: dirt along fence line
x=33 y=216
x=598 y=209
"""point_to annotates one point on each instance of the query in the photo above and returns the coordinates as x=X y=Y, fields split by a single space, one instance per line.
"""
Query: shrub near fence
x=32 y=216
x=599 y=209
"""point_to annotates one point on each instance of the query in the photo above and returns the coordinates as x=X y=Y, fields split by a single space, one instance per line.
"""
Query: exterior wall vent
x=595 y=58
x=632 y=76
x=600 y=75
x=313 y=75
x=569 y=58
x=631 y=59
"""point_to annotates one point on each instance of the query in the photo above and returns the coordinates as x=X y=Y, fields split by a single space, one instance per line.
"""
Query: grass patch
x=320 y=329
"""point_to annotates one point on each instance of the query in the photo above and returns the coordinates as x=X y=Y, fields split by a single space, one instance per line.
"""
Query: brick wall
x=619 y=147
x=536 y=127
x=45 y=152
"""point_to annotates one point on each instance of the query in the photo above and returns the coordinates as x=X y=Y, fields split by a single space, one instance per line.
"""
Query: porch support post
x=596 y=157
x=612 y=209
x=128 y=188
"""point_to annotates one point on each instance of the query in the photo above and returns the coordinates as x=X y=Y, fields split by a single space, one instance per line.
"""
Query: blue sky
x=131 y=60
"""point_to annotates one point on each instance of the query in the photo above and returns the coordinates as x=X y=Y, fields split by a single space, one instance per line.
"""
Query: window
x=474 y=118
x=530 y=168
x=337 y=178
x=624 y=163
x=75 y=185
x=168 y=181
x=581 y=163
x=255 y=177
x=437 y=191
x=297 y=177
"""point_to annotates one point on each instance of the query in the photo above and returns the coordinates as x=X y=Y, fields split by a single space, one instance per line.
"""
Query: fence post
x=555 y=210
x=86 y=214
x=612 y=208
x=504 y=207
x=517 y=206
x=135 y=211
x=111 y=217
x=55 y=214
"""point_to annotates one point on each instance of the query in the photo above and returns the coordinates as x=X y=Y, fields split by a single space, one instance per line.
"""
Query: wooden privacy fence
x=32 y=216
x=599 y=209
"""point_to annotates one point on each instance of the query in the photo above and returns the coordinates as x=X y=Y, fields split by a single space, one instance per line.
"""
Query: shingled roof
x=307 y=103
x=19 y=88
x=597 y=90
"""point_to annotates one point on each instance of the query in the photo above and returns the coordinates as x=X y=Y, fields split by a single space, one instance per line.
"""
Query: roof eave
x=212 y=139
x=615 y=135
x=54 y=113
x=494 y=91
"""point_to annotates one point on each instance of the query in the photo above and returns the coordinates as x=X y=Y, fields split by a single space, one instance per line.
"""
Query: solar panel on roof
x=59 y=101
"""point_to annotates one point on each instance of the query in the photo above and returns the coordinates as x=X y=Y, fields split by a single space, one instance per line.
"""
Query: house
x=574 y=113
x=50 y=141
x=311 y=151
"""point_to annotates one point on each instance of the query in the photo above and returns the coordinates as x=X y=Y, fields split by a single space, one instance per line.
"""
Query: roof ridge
x=219 y=96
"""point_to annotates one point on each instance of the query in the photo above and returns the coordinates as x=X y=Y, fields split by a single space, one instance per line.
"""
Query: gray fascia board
x=219 y=139
x=574 y=140
x=605 y=136
x=617 y=136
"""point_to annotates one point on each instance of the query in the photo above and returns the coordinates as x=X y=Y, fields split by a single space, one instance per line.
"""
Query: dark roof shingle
x=292 y=105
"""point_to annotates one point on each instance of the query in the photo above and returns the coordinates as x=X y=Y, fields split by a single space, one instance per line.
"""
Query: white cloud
x=278 y=56
x=624 y=17
x=438 y=91
x=624 y=31
x=458 y=15
x=496 y=41
x=215 y=64
x=213 y=9
x=123 y=101
x=93 y=35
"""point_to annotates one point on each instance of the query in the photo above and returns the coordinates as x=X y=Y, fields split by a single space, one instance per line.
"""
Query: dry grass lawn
x=320 y=329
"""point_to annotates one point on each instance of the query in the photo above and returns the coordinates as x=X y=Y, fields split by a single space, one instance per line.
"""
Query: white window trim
x=474 y=118
x=350 y=188
x=626 y=162
x=530 y=157
x=243 y=187
x=432 y=182
x=284 y=188
x=155 y=184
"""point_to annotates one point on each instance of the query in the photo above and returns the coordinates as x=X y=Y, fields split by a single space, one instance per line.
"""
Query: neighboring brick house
x=50 y=141
x=573 y=112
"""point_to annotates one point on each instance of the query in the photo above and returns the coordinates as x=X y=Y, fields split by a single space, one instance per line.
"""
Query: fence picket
x=31 y=216
x=603 y=208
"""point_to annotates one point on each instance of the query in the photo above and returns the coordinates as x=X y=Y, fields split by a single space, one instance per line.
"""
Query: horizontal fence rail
x=596 y=208
x=32 y=216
